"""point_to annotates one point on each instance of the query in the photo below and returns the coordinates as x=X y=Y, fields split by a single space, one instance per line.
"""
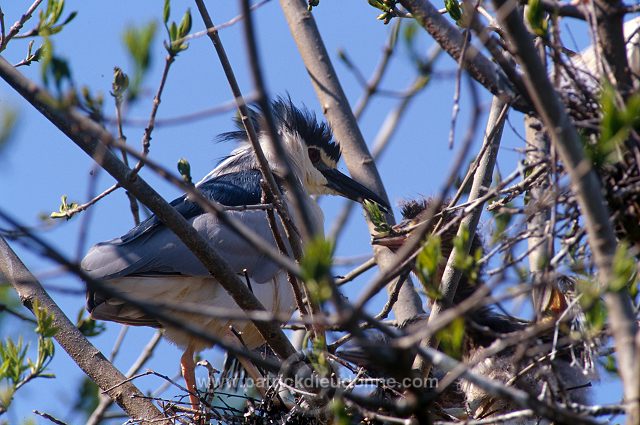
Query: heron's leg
x=252 y=370
x=188 y=372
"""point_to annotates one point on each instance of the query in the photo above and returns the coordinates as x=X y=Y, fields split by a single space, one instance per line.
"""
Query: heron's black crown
x=293 y=119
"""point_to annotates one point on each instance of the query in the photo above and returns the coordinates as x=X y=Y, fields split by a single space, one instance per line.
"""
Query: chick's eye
x=314 y=155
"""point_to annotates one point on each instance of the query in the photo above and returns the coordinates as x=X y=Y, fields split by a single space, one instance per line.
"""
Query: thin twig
x=146 y=138
x=219 y=210
x=71 y=340
x=589 y=196
x=4 y=307
x=182 y=119
x=338 y=112
x=15 y=28
x=456 y=94
x=98 y=414
x=362 y=268
x=481 y=181
x=73 y=211
x=245 y=117
x=93 y=139
x=371 y=86
x=118 y=344
x=451 y=40
x=221 y=26
x=49 y=418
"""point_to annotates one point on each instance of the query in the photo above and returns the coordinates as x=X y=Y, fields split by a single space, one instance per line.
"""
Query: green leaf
x=409 y=34
x=378 y=4
x=315 y=266
x=48 y=18
x=454 y=9
x=592 y=305
x=318 y=356
x=8 y=119
x=138 y=42
x=70 y=18
x=12 y=360
x=427 y=266
x=93 y=103
x=610 y=365
x=466 y=262
x=185 y=24
x=64 y=209
x=460 y=244
x=377 y=217
x=416 y=50
x=88 y=326
x=44 y=320
x=502 y=219
x=340 y=414
x=624 y=269
x=452 y=337
x=60 y=71
x=54 y=67
x=6 y=395
x=57 y=10
x=615 y=125
x=596 y=316
x=173 y=32
x=166 y=11
x=537 y=18
x=184 y=168
x=177 y=33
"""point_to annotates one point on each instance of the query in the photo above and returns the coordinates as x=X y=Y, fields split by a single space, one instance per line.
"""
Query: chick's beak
x=396 y=237
x=349 y=188
x=393 y=242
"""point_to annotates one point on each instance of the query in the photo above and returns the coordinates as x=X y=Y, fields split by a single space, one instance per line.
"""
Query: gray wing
x=160 y=251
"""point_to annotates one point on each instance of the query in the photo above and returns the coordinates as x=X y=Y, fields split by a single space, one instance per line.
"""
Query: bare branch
x=481 y=182
x=245 y=117
x=612 y=43
x=338 y=112
x=93 y=139
x=589 y=196
x=451 y=40
x=15 y=28
x=98 y=413
x=89 y=358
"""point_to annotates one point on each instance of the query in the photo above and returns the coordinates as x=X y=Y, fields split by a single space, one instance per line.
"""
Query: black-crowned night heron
x=560 y=377
x=150 y=263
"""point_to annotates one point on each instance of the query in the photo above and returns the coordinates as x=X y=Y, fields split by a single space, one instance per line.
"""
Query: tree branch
x=338 y=112
x=93 y=139
x=451 y=40
x=609 y=20
x=81 y=351
x=481 y=182
x=589 y=196
x=252 y=135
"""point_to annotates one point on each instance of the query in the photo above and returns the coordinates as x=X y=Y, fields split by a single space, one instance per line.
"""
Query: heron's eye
x=314 y=155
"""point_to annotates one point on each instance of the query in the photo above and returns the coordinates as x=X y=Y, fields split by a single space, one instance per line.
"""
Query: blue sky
x=41 y=164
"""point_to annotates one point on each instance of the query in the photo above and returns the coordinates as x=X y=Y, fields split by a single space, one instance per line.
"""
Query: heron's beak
x=349 y=188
